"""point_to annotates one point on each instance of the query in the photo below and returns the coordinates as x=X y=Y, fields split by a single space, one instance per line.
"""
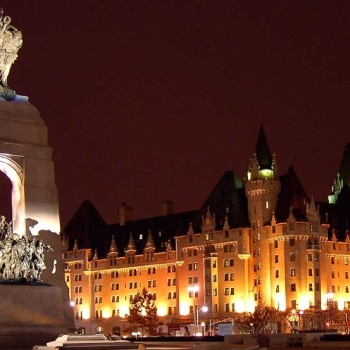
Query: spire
x=312 y=213
x=291 y=217
x=208 y=219
x=262 y=150
x=273 y=219
x=113 y=246
x=75 y=245
x=226 y=224
x=95 y=255
x=263 y=165
x=334 y=237
x=64 y=242
x=150 y=242
x=336 y=189
x=168 y=246
x=131 y=244
x=190 y=230
x=253 y=168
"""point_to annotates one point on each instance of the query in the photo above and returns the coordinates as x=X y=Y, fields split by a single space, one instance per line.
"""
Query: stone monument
x=30 y=310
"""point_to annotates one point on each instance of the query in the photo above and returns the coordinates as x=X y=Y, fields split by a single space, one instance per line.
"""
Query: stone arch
x=12 y=167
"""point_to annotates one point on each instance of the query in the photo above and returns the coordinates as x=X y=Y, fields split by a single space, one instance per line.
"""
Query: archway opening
x=5 y=197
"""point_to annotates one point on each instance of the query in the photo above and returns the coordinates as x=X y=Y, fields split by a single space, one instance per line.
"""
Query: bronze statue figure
x=10 y=42
x=21 y=258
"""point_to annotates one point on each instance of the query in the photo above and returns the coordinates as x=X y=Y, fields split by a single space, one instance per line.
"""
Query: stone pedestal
x=30 y=315
x=26 y=158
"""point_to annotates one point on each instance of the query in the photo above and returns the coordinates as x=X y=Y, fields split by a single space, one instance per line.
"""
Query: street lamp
x=329 y=297
x=301 y=324
x=204 y=309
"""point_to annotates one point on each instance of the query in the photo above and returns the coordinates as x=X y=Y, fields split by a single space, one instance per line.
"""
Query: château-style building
x=262 y=239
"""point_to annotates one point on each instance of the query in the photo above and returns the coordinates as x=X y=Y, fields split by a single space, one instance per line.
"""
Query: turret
x=262 y=186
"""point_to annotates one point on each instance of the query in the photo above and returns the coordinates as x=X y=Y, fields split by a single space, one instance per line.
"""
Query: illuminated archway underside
x=15 y=173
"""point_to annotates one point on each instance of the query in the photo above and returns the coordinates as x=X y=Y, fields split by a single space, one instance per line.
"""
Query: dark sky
x=153 y=100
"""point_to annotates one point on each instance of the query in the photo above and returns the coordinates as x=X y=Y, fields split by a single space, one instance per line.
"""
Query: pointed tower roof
x=344 y=168
x=292 y=195
x=87 y=229
x=262 y=150
x=226 y=199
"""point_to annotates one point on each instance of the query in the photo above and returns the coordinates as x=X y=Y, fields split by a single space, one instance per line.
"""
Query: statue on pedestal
x=10 y=42
x=21 y=258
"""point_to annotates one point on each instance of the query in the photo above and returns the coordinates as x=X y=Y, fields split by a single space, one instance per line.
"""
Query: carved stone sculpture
x=21 y=258
x=10 y=42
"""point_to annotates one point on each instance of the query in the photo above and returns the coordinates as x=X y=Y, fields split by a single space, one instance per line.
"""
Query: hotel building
x=261 y=239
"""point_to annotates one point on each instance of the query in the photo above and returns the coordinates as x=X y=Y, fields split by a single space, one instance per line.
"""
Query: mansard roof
x=293 y=196
x=91 y=232
x=262 y=150
x=227 y=198
x=162 y=228
x=86 y=228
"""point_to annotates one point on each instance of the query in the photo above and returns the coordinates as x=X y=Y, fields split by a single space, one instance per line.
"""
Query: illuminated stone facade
x=260 y=240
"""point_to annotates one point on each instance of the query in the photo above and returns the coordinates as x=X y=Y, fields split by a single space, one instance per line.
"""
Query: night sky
x=152 y=100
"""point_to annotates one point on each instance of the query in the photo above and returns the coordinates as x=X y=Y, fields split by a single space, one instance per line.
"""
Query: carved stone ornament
x=10 y=42
x=21 y=258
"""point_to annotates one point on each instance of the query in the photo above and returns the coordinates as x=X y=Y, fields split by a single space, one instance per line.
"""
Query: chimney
x=167 y=207
x=125 y=214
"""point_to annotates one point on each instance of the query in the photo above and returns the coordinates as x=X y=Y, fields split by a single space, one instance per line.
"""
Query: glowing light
x=184 y=309
x=193 y=289
x=161 y=310
x=240 y=306
x=107 y=313
x=204 y=309
x=86 y=314
x=71 y=303
x=265 y=173
x=304 y=303
x=124 y=311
